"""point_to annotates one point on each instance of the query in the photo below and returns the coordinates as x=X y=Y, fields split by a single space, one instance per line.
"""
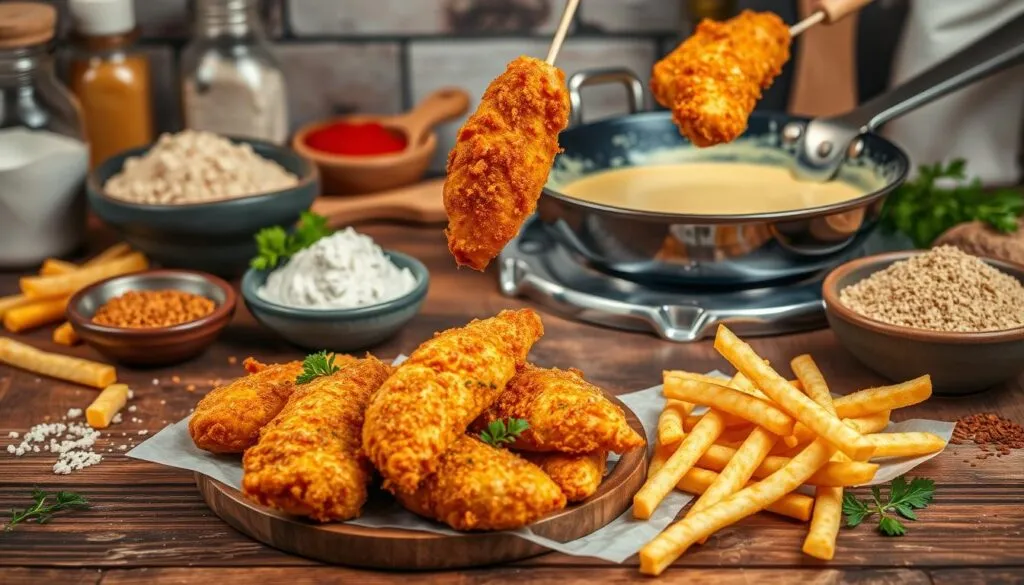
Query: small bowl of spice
x=342 y=292
x=941 y=312
x=366 y=154
x=152 y=318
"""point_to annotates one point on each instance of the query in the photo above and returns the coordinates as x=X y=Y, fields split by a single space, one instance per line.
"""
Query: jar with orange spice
x=109 y=78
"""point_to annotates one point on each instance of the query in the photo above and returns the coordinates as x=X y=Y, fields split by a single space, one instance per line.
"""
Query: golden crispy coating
x=712 y=81
x=309 y=461
x=434 y=395
x=501 y=159
x=479 y=487
x=229 y=418
x=565 y=412
x=578 y=476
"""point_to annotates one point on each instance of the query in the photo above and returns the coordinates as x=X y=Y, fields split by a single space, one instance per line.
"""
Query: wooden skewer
x=563 y=29
x=828 y=11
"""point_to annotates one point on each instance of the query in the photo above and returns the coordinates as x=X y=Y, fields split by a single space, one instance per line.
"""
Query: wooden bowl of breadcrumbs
x=941 y=312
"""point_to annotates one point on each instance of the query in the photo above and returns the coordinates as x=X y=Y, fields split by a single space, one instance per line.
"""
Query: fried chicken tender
x=713 y=80
x=309 y=460
x=565 y=413
x=229 y=418
x=578 y=476
x=480 y=487
x=433 y=396
x=501 y=159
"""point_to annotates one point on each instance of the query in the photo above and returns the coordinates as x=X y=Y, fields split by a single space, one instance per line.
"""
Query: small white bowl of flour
x=342 y=293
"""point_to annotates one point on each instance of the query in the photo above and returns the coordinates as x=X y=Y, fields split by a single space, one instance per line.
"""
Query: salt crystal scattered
x=74 y=413
x=132 y=408
x=143 y=432
x=116 y=419
x=12 y=435
x=130 y=394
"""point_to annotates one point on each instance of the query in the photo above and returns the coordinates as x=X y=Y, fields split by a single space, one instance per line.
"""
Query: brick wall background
x=343 y=56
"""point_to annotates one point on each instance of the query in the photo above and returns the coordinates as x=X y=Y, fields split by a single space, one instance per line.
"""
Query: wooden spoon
x=419 y=203
x=416 y=125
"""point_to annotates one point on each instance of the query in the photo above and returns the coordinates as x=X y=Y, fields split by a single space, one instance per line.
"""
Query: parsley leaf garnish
x=903 y=499
x=942 y=197
x=498 y=433
x=315 y=365
x=42 y=512
x=275 y=245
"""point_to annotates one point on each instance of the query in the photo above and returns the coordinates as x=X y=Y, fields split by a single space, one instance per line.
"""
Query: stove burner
x=536 y=267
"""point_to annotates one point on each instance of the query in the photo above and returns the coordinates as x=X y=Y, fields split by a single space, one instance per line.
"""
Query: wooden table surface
x=150 y=525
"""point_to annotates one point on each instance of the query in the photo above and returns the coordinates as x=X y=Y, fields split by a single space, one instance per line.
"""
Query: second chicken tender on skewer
x=578 y=476
x=309 y=460
x=565 y=413
x=713 y=80
x=435 y=394
x=501 y=159
x=480 y=487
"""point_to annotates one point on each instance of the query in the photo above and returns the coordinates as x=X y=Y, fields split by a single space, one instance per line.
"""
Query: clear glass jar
x=43 y=155
x=232 y=84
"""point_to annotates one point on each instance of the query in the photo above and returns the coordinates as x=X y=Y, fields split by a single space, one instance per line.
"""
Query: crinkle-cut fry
x=796 y=506
x=866 y=402
x=12 y=302
x=731 y=401
x=115 y=251
x=909 y=444
x=35 y=314
x=658 y=554
x=670 y=422
x=72 y=369
x=789 y=399
x=45 y=287
x=835 y=473
x=54 y=266
x=65 y=335
x=106 y=405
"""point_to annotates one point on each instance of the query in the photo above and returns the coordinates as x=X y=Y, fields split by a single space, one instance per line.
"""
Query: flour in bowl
x=342 y=271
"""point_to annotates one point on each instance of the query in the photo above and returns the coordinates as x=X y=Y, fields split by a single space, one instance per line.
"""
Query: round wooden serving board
x=386 y=548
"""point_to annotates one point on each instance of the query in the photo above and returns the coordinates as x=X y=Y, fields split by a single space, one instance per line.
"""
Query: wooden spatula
x=419 y=203
x=825 y=78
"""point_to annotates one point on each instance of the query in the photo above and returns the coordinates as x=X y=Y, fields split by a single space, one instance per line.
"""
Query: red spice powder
x=349 y=139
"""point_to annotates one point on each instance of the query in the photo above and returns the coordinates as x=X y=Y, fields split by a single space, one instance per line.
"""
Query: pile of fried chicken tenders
x=465 y=431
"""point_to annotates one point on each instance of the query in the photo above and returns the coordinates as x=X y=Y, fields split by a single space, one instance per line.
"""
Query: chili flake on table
x=153 y=308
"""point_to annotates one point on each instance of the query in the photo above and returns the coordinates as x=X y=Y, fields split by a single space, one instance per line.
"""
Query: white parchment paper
x=615 y=542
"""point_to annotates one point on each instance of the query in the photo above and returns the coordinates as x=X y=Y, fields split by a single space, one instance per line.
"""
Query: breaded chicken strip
x=501 y=159
x=309 y=460
x=229 y=418
x=433 y=396
x=479 y=487
x=578 y=476
x=713 y=80
x=565 y=413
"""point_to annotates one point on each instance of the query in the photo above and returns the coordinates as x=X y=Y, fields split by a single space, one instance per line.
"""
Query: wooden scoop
x=345 y=175
x=419 y=203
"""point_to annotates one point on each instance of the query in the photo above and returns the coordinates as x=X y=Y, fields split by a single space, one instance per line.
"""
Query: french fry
x=45 y=287
x=877 y=422
x=35 y=314
x=116 y=251
x=12 y=302
x=661 y=455
x=658 y=554
x=670 y=422
x=849 y=473
x=791 y=400
x=65 y=335
x=796 y=506
x=72 y=369
x=866 y=402
x=906 y=444
x=106 y=405
x=731 y=422
x=728 y=400
x=54 y=266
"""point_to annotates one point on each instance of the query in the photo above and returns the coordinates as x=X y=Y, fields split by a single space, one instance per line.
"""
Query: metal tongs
x=824 y=143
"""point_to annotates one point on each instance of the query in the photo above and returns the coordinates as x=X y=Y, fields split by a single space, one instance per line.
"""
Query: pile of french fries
x=44 y=298
x=762 y=437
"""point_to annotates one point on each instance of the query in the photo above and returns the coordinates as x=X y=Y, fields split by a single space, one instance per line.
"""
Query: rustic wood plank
x=39 y=576
x=974 y=576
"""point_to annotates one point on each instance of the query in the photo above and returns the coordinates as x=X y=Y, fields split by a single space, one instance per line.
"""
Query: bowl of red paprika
x=364 y=154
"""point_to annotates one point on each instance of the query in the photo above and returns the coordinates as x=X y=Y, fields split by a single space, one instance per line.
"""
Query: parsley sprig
x=315 y=365
x=942 y=197
x=903 y=499
x=275 y=245
x=498 y=433
x=41 y=511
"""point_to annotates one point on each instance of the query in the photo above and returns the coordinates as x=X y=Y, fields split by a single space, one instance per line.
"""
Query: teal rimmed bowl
x=339 y=330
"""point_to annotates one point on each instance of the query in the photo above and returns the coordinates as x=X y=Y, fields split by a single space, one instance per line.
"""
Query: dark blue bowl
x=340 y=330
x=213 y=237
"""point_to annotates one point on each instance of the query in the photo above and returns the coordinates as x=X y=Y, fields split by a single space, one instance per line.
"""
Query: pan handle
x=589 y=77
x=824 y=142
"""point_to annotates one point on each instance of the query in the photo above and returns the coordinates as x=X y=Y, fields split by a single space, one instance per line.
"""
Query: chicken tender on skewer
x=433 y=396
x=229 y=418
x=309 y=460
x=578 y=476
x=480 y=487
x=501 y=159
x=565 y=413
x=713 y=80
